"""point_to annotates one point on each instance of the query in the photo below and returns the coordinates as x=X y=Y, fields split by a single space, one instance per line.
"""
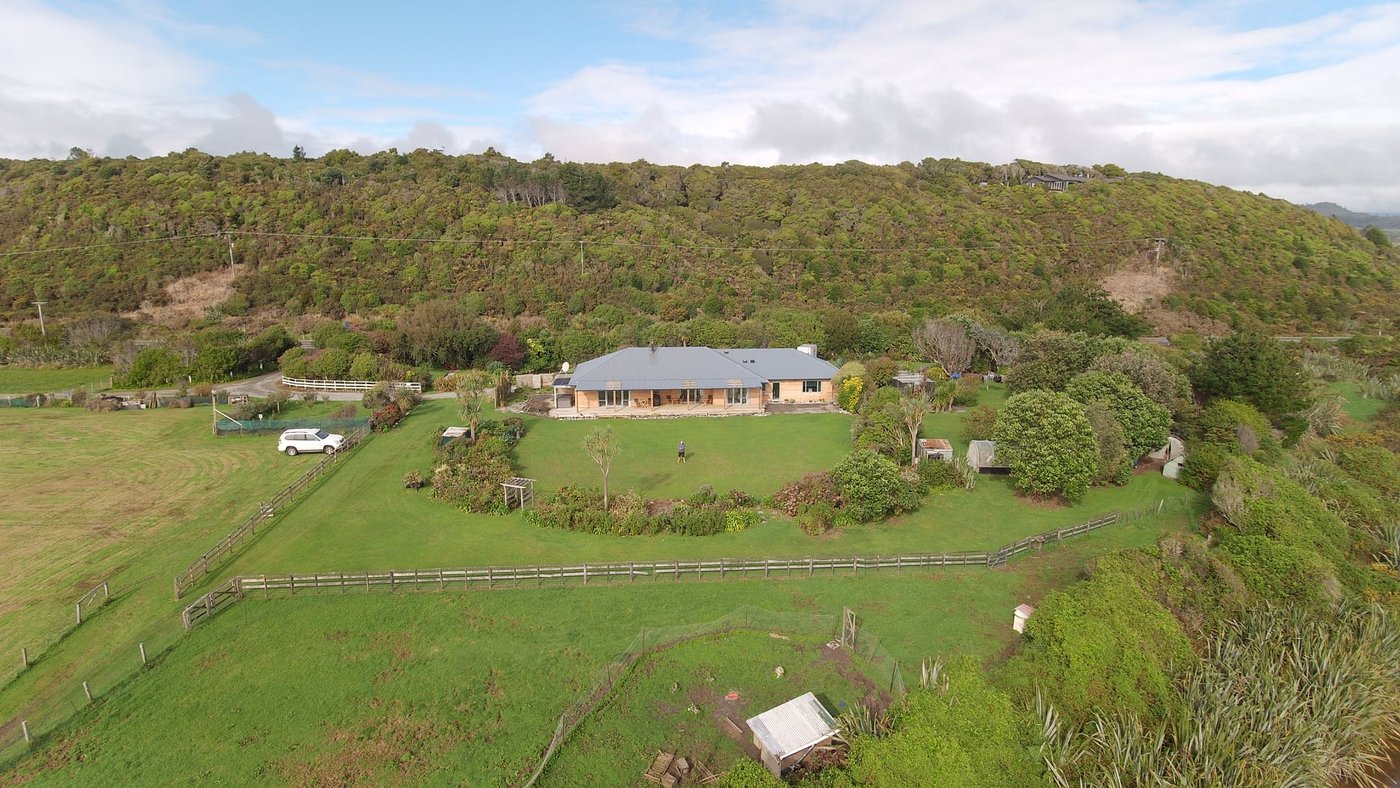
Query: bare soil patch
x=190 y=297
x=1139 y=284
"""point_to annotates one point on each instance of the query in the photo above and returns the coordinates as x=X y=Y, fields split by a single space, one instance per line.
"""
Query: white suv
x=293 y=442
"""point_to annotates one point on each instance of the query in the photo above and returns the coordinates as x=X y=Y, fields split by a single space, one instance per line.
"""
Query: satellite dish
x=566 y=367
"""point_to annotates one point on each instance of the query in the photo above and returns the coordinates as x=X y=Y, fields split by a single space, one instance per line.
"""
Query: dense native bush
x=1049 y=359
x=1203 y=463
x=1282 y=573
x=1099 y=645
x=1257 y=369
x=1238 y=426
x=1371 y=465
x=936 y=740
x=1158 y=379
x=1115 y=467
x=1282 y=697
x=1144 y=423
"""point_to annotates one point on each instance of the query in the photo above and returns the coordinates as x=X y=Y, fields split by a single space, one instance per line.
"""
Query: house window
x=811 y=386
x=690 y=395
x=614 y=398
x=736 y=396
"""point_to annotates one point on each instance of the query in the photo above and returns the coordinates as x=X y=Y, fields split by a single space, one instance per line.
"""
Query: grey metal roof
x=696 y=368
x=664 y=368
x=794 y=726
x=782 y=363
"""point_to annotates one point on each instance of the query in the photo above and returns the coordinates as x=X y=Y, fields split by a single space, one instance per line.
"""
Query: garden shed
x=935 y=449
x=786 y=734
x=910 y=381
x=982 y=456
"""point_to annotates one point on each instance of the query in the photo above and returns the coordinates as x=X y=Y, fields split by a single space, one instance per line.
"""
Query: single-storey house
x=678 y=381
x=982 y=456
x=1054 y=181
x=786 y=734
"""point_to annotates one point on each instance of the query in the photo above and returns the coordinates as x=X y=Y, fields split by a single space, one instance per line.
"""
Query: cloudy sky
x=1295 y=98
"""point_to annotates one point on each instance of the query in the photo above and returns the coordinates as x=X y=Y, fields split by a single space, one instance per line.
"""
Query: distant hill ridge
x=603 y=245
x=1385 y=221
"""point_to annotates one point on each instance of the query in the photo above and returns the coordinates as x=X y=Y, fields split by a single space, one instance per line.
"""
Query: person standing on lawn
x=680 y=452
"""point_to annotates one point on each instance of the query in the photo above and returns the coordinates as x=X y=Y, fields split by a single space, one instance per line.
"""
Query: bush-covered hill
x=551 y=238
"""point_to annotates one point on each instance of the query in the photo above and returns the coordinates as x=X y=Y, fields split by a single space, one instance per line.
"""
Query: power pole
x=40 y=304
x=1157 y=253
x=580 y=259
x=230 y=251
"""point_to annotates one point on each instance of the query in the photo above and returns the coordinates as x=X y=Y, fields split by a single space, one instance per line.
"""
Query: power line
x=108 y=245
x=616 y=244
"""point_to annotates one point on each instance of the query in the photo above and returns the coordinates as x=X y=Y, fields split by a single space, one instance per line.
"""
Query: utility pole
x=1157 y=253
x=580 y=259
x=230 y=251
x=40 y=304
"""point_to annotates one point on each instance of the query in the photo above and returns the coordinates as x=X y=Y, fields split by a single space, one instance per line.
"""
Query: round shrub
x=871 y=487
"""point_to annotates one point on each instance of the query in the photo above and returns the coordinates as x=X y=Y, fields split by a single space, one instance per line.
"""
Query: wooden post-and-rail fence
x=347 y=385
x=490 y=577
x=236 y=538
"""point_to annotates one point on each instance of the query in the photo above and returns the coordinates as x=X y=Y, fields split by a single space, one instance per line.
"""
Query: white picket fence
x=345 y=385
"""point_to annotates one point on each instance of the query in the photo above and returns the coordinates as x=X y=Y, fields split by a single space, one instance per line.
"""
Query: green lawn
x=128 y=497
x=1357 y=408
x=362 y=517
x=426 y=688
x=465 y=688
x=754 y=454
x=32 y=380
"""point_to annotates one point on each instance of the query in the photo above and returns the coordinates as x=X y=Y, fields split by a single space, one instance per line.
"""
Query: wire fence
x=655 y=639
x=86 y=606
x=227 y=426
x=493 y=577
x=266 y=512
x=53 y=698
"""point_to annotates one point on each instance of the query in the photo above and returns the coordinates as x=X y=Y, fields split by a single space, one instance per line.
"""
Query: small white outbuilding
x=786 y=734
x=1020 y=615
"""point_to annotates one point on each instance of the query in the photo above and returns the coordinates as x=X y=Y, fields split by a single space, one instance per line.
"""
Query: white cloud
x=248 y=126
x=1305 y=108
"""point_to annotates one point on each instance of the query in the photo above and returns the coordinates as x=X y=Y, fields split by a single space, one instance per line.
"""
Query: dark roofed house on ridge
x=1054 y=181
x=689 y=381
